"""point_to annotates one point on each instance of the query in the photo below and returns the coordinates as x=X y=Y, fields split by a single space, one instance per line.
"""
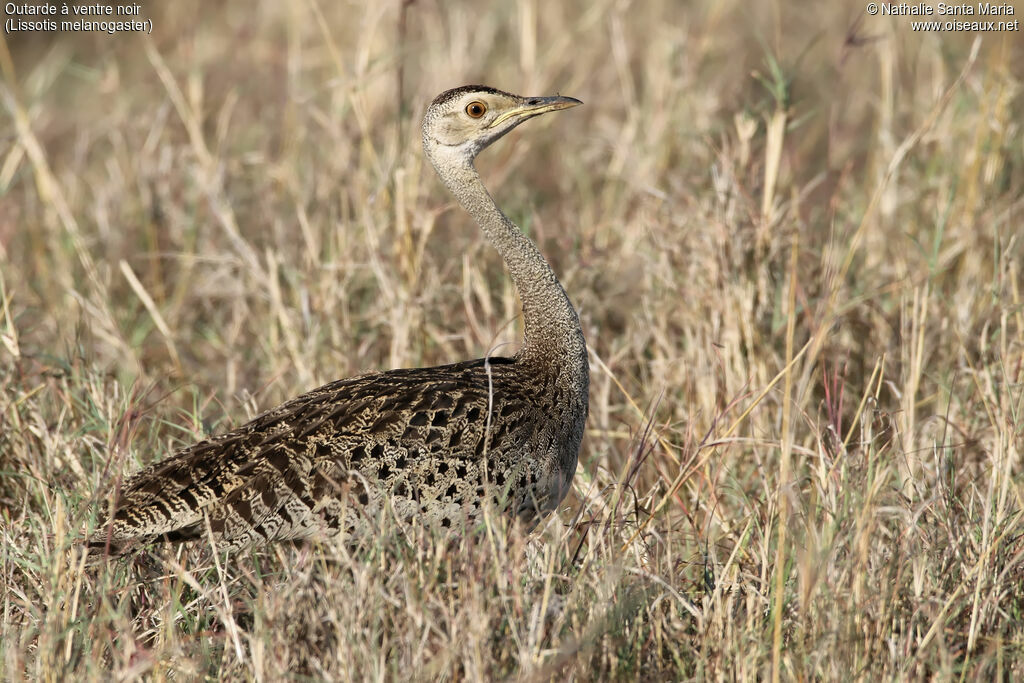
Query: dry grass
x=794 y=237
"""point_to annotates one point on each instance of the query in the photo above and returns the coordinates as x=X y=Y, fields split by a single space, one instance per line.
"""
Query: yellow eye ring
x=476 y=109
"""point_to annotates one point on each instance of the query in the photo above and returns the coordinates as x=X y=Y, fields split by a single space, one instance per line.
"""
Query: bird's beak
x=535 y=106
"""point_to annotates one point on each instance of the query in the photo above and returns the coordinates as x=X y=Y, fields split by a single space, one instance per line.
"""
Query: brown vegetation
x=794 y=239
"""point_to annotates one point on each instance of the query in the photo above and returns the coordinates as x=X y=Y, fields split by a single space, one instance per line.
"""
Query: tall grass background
x=793 y=233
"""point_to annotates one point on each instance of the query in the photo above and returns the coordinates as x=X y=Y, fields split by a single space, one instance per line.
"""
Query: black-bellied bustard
x=434 y=442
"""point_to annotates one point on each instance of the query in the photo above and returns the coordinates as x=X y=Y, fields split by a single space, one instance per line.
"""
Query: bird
x=435 y=443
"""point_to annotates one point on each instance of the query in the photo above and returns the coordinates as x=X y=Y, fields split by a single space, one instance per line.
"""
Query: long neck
x=551 y=326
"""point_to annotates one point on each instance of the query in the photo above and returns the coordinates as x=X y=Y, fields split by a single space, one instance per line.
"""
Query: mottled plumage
x=430 y=442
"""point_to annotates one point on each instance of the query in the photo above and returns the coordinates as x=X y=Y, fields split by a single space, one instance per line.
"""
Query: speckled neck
x=552 y=332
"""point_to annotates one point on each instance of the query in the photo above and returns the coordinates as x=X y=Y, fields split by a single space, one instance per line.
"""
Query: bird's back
x=434 y=442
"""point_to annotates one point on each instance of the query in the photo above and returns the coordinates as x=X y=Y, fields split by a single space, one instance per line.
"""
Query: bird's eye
x=476 y=109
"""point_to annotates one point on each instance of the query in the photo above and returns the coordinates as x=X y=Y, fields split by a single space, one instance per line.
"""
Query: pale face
x=463 y=121
x=471 y=116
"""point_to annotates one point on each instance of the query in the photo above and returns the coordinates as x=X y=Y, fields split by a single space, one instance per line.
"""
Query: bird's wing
x=267 y=479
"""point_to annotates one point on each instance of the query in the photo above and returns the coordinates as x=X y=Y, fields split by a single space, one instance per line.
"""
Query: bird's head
x=459 y=123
